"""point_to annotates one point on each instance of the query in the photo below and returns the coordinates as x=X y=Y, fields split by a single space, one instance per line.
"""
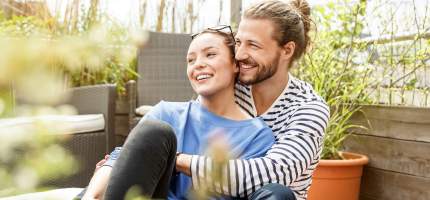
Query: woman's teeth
x=203 y=76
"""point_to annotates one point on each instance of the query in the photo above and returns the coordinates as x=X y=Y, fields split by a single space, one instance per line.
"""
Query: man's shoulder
x=297 y=96
x=300 y=92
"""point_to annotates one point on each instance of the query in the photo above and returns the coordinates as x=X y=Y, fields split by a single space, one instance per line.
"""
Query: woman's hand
x=98 y=184
x=101 y=162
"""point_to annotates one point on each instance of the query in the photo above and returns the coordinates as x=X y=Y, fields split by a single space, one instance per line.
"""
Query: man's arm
x=183 y=164
x=297 y=147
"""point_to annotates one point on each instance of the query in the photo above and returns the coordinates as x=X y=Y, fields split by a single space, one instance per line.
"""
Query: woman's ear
x=235 y=66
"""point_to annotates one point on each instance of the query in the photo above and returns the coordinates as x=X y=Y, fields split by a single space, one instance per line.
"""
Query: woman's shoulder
x=171 y=106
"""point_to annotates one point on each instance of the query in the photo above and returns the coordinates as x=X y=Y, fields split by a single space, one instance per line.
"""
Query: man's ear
x=288 y=50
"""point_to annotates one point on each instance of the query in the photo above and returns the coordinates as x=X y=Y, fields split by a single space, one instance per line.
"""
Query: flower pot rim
x=353 y=159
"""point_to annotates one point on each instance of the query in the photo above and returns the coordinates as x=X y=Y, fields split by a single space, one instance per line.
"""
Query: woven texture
x=162 y=67
x=89 y=148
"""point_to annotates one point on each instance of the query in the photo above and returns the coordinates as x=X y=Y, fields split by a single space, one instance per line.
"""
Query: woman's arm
x=97 y=186
x=98 y=183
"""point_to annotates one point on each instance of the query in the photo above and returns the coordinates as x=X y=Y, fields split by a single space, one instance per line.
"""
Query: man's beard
x=263 y=71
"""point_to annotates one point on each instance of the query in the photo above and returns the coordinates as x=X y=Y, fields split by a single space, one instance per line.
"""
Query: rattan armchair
x=162 y=69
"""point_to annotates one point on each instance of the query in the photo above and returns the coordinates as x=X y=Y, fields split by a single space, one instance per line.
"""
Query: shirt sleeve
x=297 y=146
x=113 y=156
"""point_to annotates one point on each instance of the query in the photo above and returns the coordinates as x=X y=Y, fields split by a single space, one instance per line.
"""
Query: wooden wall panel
x=395 y=122
x=394 y=155
x=398 y=146
x=386 y=185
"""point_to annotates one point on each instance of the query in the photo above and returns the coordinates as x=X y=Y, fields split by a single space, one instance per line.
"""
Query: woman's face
x=210 y=68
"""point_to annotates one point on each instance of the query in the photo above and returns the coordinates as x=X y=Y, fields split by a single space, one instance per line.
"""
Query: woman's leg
x=147 y=160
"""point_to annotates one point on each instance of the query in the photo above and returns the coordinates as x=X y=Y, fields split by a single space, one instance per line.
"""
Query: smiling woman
x=207 y=70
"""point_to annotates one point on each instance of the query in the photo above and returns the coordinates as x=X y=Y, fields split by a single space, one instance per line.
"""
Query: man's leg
x=147 y=159
x=273 y=191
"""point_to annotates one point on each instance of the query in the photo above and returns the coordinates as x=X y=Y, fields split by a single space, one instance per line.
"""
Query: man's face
x=257 y=52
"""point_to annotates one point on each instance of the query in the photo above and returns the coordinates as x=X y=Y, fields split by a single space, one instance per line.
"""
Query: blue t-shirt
x=194 y=125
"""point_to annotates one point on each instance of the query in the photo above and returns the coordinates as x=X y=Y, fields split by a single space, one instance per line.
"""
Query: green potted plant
x=342 y=81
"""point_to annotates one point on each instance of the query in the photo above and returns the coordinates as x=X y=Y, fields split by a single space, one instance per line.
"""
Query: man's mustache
x=248 y=61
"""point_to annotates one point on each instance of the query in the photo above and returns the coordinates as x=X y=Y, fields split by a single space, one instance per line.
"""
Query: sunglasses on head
x=221 y=29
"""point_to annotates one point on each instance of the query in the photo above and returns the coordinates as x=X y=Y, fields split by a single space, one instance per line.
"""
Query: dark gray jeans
x=147 y=160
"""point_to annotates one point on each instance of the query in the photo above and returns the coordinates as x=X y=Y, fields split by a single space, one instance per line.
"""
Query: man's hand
x=183 y=163
x=101 y=162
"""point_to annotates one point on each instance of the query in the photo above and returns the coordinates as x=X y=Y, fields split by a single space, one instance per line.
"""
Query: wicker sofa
x=90 y=147
x=89 y=135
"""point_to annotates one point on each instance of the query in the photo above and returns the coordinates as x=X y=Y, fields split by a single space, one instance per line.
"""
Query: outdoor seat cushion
x=142 y=110
x=58 y=124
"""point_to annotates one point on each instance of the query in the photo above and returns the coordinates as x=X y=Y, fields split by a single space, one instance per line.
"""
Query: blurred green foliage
x=113 y=69
x=37 y=60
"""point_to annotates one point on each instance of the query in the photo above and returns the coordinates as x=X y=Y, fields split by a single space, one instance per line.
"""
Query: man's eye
x=254 y=46
x=211 y=55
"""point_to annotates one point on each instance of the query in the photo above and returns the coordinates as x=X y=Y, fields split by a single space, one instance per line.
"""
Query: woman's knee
x=153 y=131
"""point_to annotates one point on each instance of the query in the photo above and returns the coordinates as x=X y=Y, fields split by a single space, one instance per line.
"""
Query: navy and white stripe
x=298 y=119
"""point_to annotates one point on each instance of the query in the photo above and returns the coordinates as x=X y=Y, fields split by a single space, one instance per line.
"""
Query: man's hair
x=292 y=21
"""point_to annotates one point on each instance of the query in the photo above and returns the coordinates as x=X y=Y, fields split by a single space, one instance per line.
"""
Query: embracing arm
x=297 y=147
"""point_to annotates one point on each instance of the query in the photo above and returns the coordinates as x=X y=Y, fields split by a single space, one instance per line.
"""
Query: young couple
x=274 y=123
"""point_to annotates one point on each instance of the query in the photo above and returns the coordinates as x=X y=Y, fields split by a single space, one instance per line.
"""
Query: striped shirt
x=298 y=119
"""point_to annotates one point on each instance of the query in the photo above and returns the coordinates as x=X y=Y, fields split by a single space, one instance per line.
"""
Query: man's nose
x=241 y=53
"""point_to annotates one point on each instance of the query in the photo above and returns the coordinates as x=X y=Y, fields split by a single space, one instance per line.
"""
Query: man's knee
x=273 y=191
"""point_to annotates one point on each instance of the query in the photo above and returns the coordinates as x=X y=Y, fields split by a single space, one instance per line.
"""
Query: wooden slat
x=394 y=155
x=386 y=185
x=406 y=123
x=416 y=115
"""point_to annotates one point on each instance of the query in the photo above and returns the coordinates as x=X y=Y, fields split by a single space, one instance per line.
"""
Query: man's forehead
x=254 y=29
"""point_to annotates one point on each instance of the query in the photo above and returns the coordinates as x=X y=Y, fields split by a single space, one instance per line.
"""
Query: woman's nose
x=200 y=64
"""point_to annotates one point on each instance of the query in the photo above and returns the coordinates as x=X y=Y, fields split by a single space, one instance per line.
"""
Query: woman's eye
x=189 y=61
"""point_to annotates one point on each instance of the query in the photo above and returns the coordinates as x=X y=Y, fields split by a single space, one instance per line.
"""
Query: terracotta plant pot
x=338 y=179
